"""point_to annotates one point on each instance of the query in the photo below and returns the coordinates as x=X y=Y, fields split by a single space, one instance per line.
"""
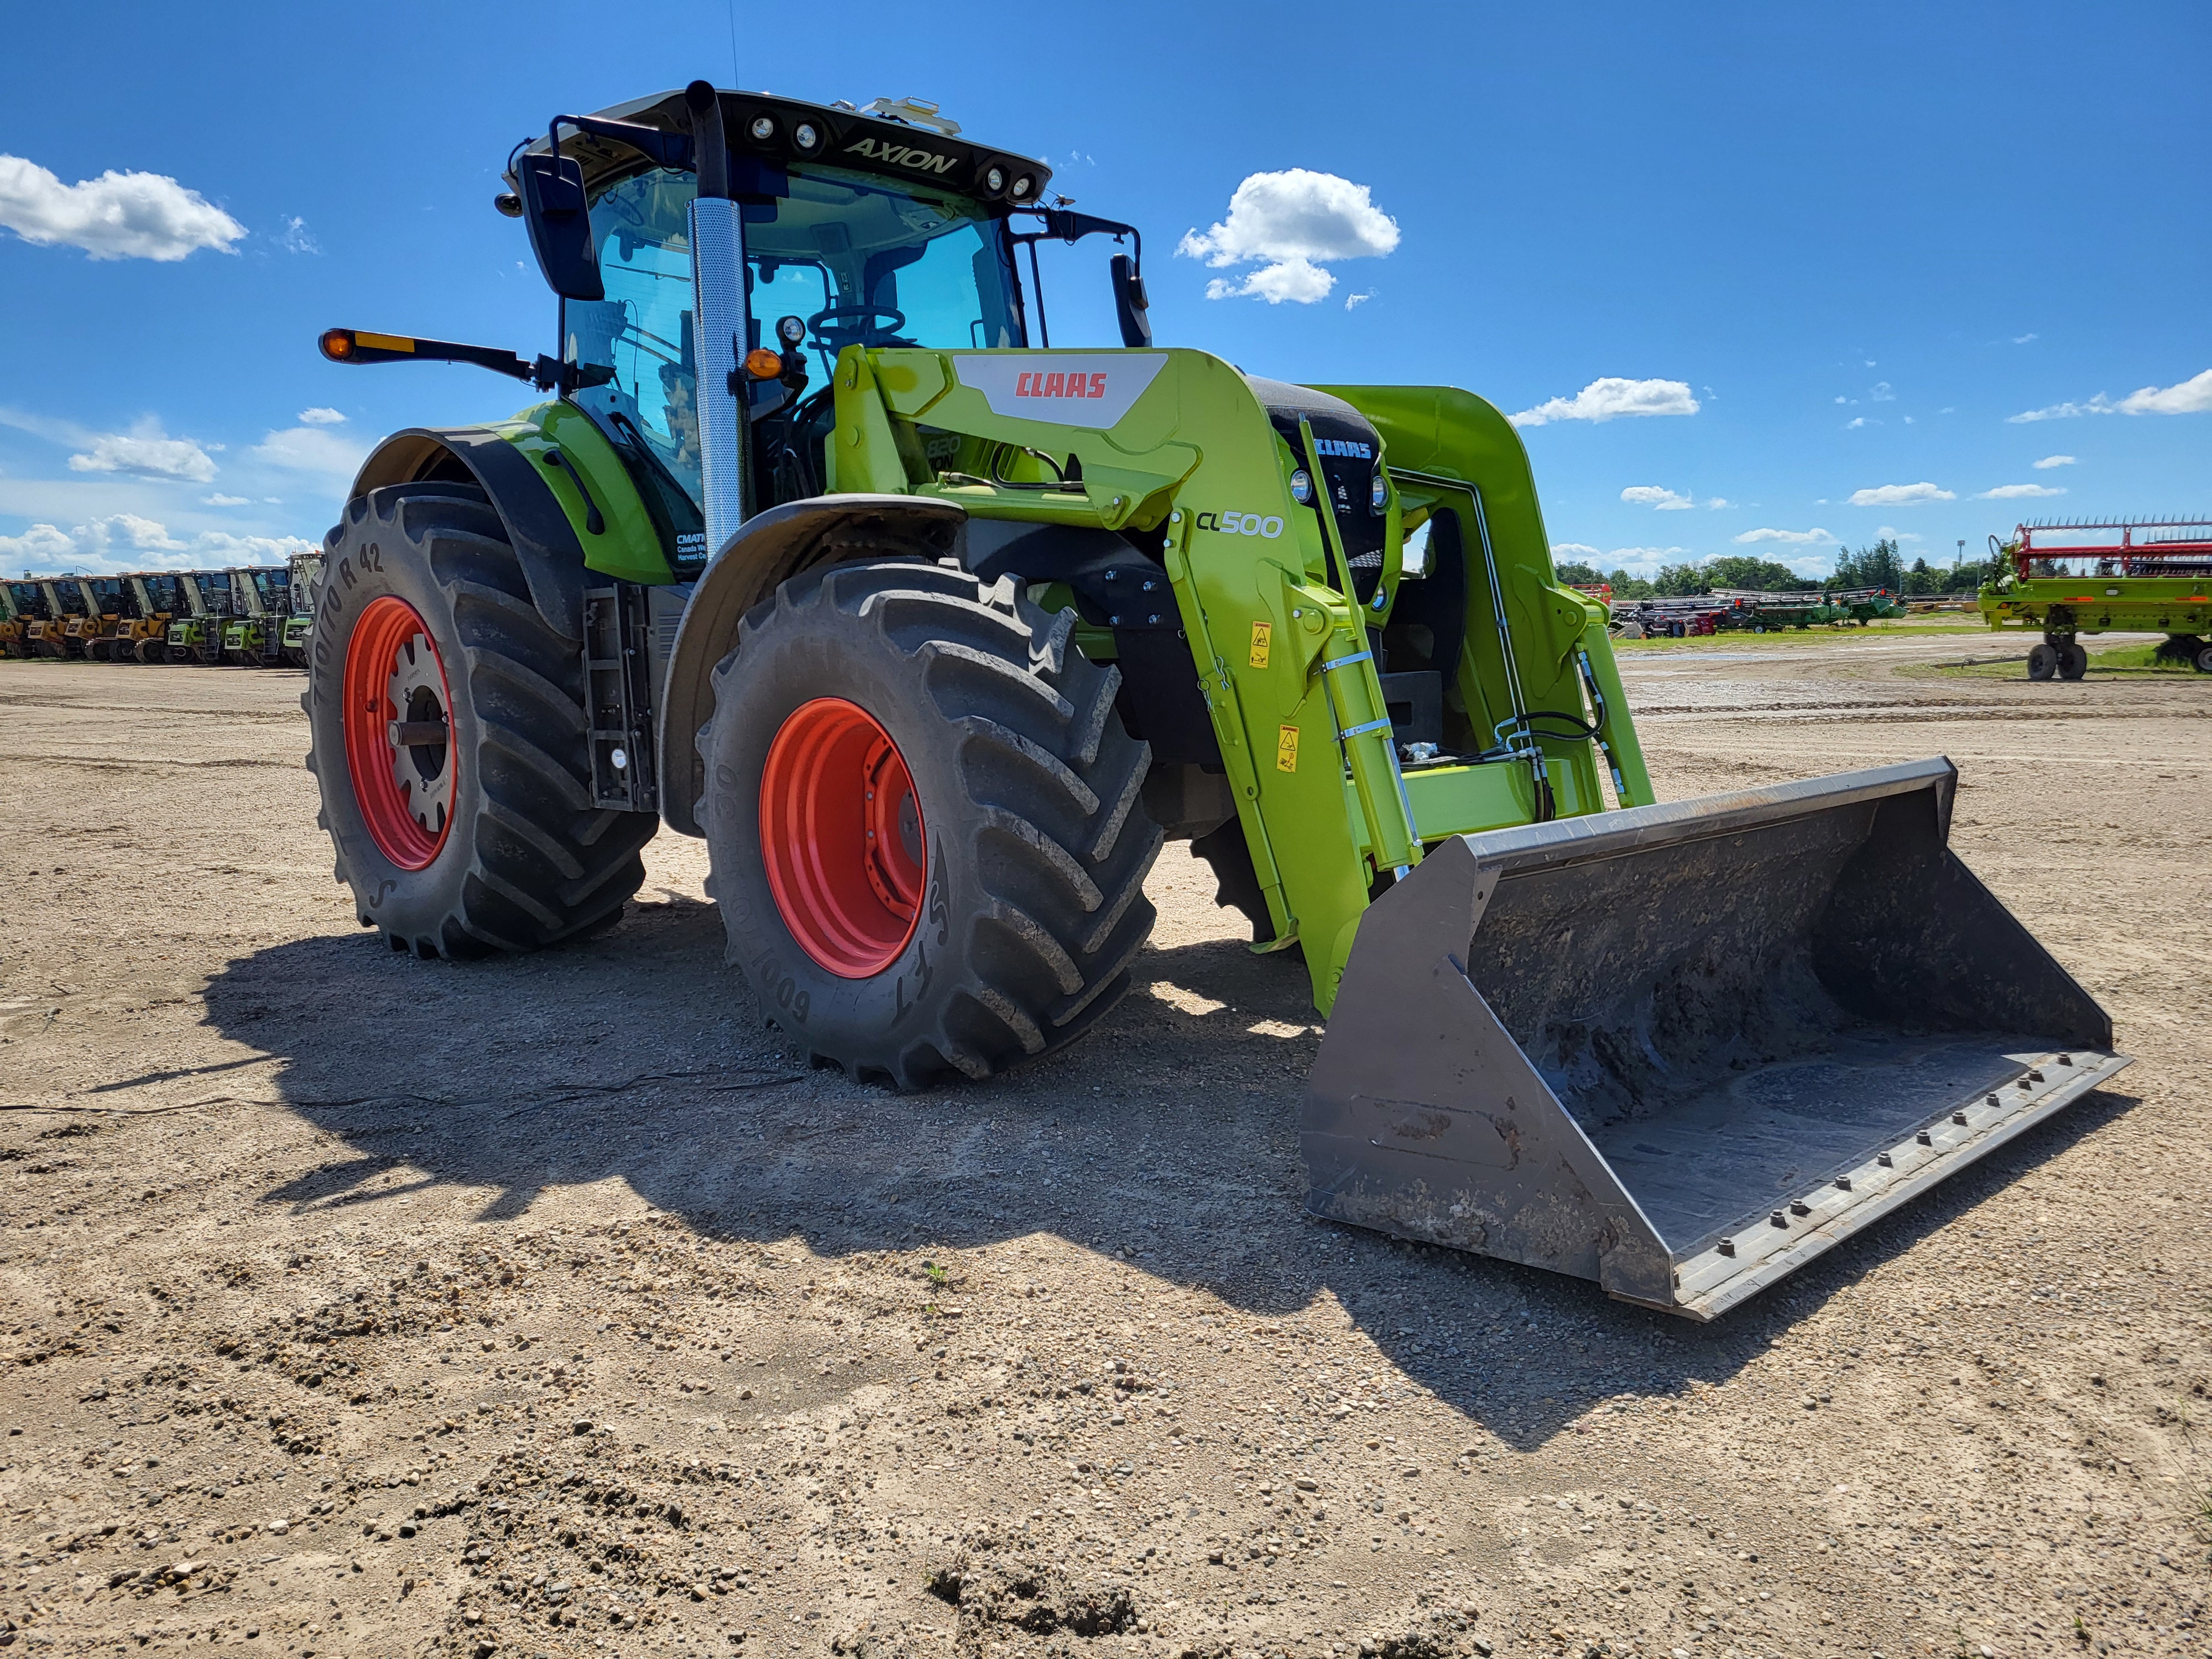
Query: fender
x=767 y=550
x=552 y=558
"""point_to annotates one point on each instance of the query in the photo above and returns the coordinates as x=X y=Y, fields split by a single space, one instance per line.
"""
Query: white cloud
x=1287 y=279
x=1856 y=422
x=1812 y=538
x=117 y=215
x=1652 y=495
x=1718 y=502
x=145 y=452
x=1285 y=223
x=221 y=500
x=320 y=417
x=2050 y=461
x=2009 y=492
x=1880 y=393
x=312 y=449
x=1911 y=495
x=298 y=239
x=2022 y=339
x=41 y=547
x=2189 y=397
x=1611 y=397
x=1351 y=301
x=124 y=541
x=1891 y=533
x=1582 y=550
x=1643 y=561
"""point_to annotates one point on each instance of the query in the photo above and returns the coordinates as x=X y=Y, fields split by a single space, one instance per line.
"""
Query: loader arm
x=1173 y=454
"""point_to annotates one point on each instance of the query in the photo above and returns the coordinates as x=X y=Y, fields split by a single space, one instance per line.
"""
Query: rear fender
x=768 y=550
x=544 y=538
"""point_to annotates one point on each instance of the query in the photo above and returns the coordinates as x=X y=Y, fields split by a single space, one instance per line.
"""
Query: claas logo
x=1036 y=384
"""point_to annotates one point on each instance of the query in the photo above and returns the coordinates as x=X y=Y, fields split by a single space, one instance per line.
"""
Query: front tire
x=2042 y=661
x=923 y=821
x=448 y=732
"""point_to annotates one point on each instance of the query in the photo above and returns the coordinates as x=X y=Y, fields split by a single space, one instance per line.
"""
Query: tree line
x=1882 y=565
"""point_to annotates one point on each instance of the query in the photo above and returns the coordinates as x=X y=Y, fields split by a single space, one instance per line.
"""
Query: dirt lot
x=360 y=1305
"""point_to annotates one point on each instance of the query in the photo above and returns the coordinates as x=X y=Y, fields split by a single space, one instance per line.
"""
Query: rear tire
x=492 y=844
x=2073 y=661
x=1008 y=927
x=2042 y=661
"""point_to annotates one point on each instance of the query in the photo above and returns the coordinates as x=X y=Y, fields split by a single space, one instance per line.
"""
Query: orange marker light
x=763 y=364
x=337 y=344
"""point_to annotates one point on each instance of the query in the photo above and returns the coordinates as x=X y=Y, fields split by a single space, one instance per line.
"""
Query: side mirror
x=1131 y=307
x=560 y=229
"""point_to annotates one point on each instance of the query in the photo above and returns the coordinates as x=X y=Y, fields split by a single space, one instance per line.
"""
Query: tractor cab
x=876 y=228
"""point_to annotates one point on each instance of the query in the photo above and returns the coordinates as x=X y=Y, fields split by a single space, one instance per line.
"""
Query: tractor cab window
x=863 y=261
x=641 y=331
x=859 y=260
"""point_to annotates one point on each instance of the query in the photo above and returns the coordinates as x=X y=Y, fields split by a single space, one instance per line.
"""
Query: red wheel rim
x=398 y=733
x=843 y=838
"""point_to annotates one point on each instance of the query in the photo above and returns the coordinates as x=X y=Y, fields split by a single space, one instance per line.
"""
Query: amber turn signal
x=763 y=364
x=337 y=344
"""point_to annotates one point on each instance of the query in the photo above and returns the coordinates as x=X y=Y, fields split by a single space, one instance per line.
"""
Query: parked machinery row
x=251 y=616
x=1750 y=611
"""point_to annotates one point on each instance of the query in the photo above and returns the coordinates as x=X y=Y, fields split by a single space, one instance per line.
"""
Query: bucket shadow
x=1168 y=1140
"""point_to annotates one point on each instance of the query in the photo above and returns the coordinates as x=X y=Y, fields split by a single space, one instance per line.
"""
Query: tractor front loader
x=820 y=550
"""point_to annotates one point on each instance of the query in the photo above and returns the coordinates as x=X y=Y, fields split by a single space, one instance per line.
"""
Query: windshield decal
x=1063 y=388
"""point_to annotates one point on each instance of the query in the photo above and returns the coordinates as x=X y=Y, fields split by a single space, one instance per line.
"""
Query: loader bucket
x=1683 y=1049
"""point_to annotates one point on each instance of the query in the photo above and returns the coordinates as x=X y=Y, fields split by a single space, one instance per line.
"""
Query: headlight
x=1023 y=186
x=808 y=137
x=1302 y=487
x=994 y=180
x=1378 y=494
x=762 y=129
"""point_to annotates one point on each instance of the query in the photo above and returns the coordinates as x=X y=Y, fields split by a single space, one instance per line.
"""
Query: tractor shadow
x=1167 y=1139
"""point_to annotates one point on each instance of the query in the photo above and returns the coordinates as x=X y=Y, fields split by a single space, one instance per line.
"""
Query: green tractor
x=196 y=627
x=306 y=571
x=934 y=631
x=260 y=605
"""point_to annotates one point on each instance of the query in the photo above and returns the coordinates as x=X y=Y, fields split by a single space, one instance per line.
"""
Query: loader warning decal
x=1286 y=749
x=1263 y=637
x=1066 y=388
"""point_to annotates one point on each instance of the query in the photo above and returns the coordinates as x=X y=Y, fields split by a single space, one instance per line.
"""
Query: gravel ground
x=362 y=1305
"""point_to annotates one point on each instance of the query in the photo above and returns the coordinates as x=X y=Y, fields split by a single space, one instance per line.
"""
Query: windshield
x=859 y=260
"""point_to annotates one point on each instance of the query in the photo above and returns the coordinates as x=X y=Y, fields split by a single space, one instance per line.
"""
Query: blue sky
x=1842 y=251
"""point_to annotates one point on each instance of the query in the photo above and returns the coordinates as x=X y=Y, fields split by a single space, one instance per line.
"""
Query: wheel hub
x=843 y=837
x=398 y=733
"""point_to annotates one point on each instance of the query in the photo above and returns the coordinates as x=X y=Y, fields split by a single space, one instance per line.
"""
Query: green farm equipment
x=2126 y=575
x=196 y=629
x=935 y=631
x=299 y=626
x=261 y=603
